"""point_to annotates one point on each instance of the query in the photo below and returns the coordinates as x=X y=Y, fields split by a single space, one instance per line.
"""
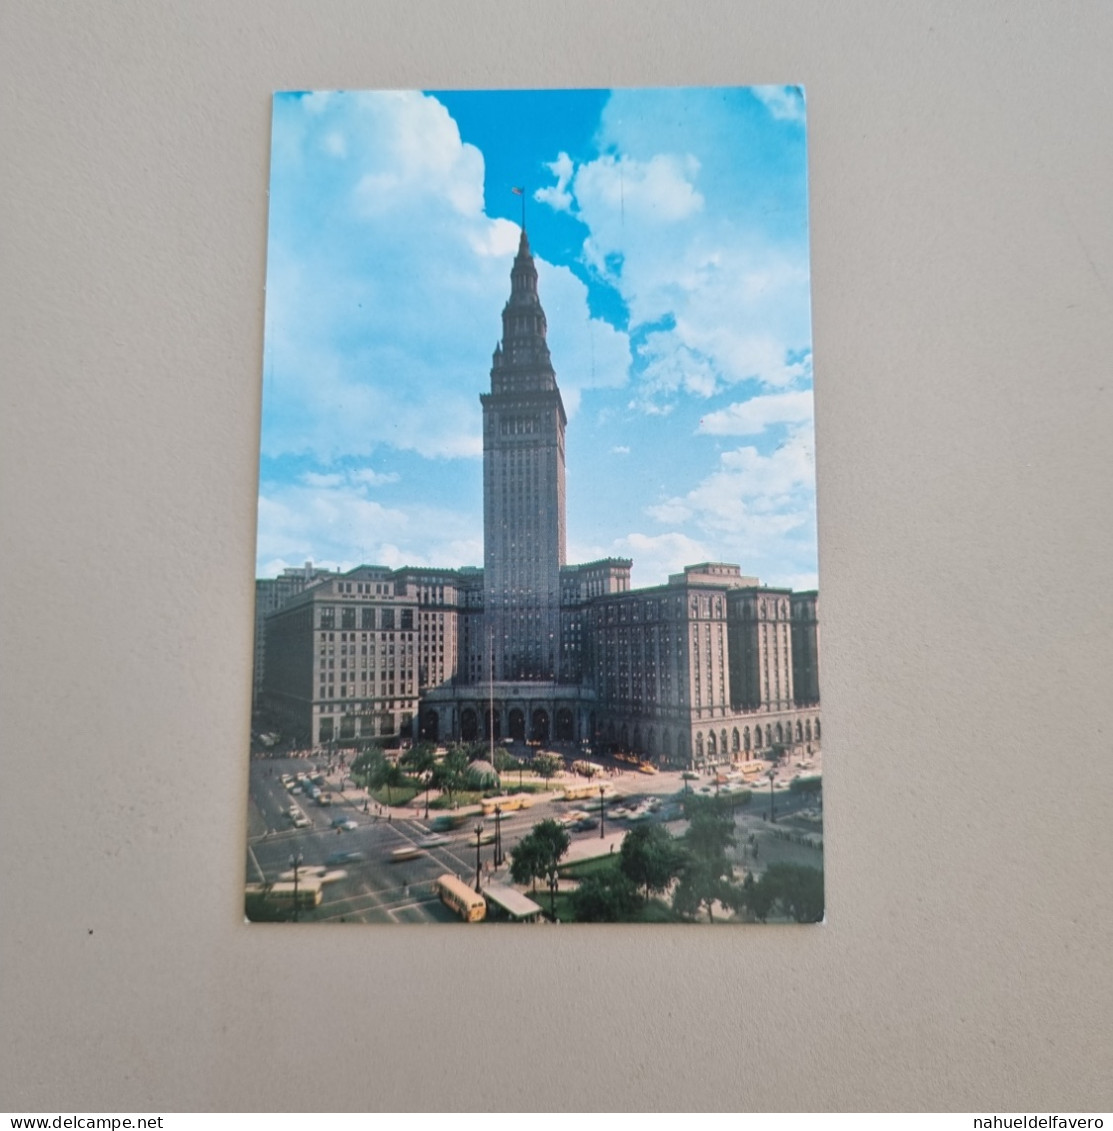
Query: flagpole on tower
x=522 y=193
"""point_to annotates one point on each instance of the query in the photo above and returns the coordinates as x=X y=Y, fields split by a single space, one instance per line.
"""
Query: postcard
x=537 y=617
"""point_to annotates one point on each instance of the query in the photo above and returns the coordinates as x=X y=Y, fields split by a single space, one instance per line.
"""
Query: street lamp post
x=772 y=815
x=478 y=834
x=602 y=818
x=295 y=863
x=498 y=836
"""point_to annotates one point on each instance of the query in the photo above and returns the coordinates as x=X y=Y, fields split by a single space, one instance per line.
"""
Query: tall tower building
x=523 y=490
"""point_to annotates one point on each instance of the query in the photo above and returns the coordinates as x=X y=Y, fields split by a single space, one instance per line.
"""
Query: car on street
x=347 y=823
x=585 y=823
x=336 y=858
x=435 y=840
x=301 y=821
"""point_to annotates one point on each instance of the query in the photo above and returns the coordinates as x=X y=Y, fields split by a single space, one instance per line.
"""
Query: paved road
x=378 y=889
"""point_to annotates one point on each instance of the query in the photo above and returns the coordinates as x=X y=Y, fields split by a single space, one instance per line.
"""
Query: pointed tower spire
x=523 y=363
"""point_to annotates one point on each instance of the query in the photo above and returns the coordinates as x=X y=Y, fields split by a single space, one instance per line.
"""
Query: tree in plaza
x=473 y=751
x=387 y=774
x=701 y=884
x=609 y=897
x=651 y=857
x=526 y=863
x=755 y=897
x=364 y=763
x=795 y=888
x=707 y=872
x=548 y=765
x=420 y=760
x=538 y=855
x=448 y=773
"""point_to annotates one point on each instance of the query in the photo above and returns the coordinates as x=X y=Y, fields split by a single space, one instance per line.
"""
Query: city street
x=375 y=886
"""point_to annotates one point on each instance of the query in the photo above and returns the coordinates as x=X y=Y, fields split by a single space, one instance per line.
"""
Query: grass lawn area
x=655 y=911
x=601 y=865
x=399 y=794
x=460 y=797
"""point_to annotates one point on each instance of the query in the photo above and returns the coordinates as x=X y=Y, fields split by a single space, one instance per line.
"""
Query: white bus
x=281 y=895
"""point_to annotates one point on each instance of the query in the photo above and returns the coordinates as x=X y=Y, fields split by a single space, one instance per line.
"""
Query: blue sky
x=670 y=233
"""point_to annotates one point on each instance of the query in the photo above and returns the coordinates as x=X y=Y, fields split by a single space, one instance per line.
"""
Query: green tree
x=538 y=855
x=607 y=897
x=701 y=883
x=526 y=863
x=364 y=764
x=448 y=773
x=420 y=760
x=706 y=875
x=651 y=857
x=755 y=897
x=387 y=774
x=798 y=889
x=548 y=765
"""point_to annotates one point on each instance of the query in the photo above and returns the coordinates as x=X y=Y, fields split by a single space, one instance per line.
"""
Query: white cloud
x=620 y=450
x=382 y=272
x=749 y=418
x=756 y=510
x=786 y=103
x=698 y=223
x=326 y=521
x=646 y=193
x=657 y=555
x=335 y=144
x=557 y=196
x=371 y=478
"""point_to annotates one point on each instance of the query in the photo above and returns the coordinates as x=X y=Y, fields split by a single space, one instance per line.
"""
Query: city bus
x=281 y=895
x=446 y=822
x=584 y=792
x=458 y=897
x=586 y=769
x=507 y=804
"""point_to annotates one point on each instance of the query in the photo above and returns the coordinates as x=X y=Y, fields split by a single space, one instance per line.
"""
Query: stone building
x=710 y=667
x=271 y=593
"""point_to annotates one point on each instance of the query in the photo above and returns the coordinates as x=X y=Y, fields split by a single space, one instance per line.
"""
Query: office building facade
x=710 y=667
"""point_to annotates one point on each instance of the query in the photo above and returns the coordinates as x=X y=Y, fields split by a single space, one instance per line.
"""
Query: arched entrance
x=517 y=725
x=564 y=727
x=469 y=725
x=539 y=730
x=492 y=725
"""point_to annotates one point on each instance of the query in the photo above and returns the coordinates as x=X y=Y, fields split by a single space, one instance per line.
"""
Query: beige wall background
x=961 y=161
